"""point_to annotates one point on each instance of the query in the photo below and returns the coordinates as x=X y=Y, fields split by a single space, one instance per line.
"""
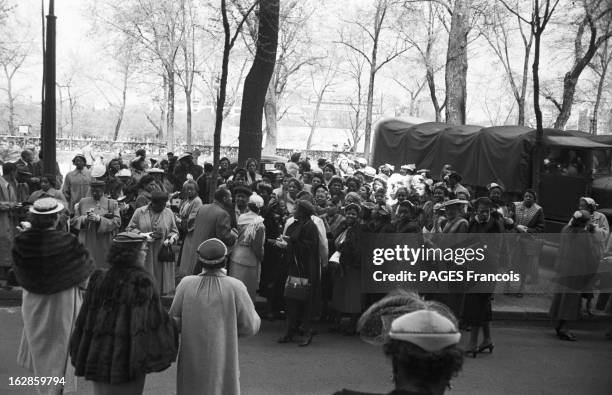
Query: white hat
x=124 y=173
x=155 y=170
x=411 y=167
x=256 y=200
x=427 y=329
x=589 y=201
x=362 y=161
x=46 y=206
x=98 y=171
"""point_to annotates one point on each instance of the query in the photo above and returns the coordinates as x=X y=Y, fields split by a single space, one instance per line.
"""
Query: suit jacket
x=211 y=220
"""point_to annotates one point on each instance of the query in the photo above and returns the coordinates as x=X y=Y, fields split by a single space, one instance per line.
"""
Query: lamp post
x=48 y=130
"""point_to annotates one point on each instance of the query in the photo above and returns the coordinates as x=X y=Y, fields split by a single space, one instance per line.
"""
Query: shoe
x=487 y=347
x=473 y=352
x=308 y=339
x=286 y=339
x=565 y=335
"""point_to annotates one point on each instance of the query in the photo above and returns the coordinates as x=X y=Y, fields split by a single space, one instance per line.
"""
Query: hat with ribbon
x=46 y=206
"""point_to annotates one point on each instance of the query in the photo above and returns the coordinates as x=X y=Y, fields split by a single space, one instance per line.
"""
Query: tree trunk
x=60 y=117
x=170 y=120
x=315 y=118
x=257 y=82
x=122 y=107
x=188 y=103
x=457 y=64
x=162 y=115
x=571 y=77
x=600 y=86
x=537 y=157
x=367 y=134
x=11 y=103
x=270 y=115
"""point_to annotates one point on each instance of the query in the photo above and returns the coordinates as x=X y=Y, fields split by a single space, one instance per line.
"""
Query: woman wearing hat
x=97 y=218
x=252 y=173
x=76 y=184
x=420 y=338
x=247 y=253
x=145 y=187
x=52 y=267
x=138 y=166
x=528 y=222
x=121 y=318
x=601 y=230
x=328 y=172
x=477 y=311
x=577 y=263
x=157 y=222
x=346 y=294
x=303 y=261
x=212 y=310
x=188 y=209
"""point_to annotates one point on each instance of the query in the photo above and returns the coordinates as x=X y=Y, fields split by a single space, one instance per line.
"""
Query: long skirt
x=249 y=275
x=477 y=309
x=346 y=297
x=134 y=387
x=566 y=307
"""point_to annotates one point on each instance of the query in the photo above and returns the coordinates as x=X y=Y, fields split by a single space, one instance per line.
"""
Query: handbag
x=165 y=254
x=297 y=287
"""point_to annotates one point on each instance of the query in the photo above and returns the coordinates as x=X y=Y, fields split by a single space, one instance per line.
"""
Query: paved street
x=527 y=360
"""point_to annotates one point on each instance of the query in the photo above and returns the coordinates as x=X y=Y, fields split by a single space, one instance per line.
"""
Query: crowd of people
x=291 y=234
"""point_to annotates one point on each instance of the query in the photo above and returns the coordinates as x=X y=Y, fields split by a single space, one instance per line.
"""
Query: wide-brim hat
x=589 y=201
x=426 y=329
x=46 y=206
x=155 y=170
x=410 y=167
x=212 y=251
x=369 y=171
x=453 y=202
x=352 y=206
x=129 y=238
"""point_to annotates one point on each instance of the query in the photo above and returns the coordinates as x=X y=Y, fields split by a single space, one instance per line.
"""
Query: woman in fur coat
x=122 y=331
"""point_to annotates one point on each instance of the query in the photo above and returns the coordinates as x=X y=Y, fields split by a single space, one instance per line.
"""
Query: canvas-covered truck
x=575 y=164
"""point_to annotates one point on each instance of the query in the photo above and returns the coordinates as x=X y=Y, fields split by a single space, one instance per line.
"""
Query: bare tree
x=413 y=87
x=14 y=49
x=499 y=35
x=257 y=81
x=295 y=52
x=187 y=72
x=430 y=19
x=366 y=41
x=156 y=27
x=597 y=20
x=541 y=13
x=457 y=63
x=319 y=88
x=356 y=71
x=600 y=67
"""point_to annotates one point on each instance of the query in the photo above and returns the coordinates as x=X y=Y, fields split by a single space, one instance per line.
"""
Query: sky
x=78 y=51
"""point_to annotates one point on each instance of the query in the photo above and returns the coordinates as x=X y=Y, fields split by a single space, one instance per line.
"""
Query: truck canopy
x=480 y=154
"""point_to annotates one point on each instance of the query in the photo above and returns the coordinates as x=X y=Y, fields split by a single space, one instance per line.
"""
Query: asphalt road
x=526 y=360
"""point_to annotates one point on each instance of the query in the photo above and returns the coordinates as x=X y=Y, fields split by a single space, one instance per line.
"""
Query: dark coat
x=122 y=330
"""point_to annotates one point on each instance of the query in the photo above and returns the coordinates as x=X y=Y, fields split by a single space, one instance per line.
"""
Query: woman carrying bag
x=302 y=257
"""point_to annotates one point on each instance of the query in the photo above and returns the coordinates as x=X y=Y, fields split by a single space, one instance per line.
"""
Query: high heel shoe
x=472 y=352
x=487 y=347
x=308 y=339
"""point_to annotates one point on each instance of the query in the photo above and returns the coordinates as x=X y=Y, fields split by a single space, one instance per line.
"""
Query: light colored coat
x=76 y=187
x=247 y=254
x=97 y=237
x=48 y=321
x=166 y=226
x=212 y=310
